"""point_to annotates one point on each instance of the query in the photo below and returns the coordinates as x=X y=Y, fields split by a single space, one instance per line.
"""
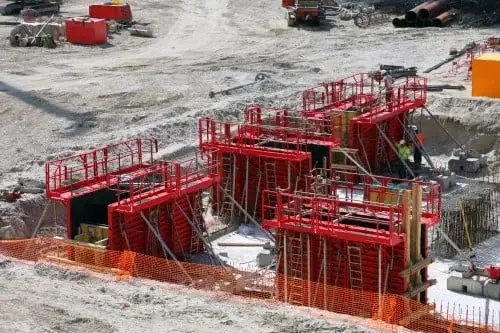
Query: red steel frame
x=358 y=90
x=350 y=182
x=274 y=120
x=325 y=216
x=142 y=185
x=237 y=138
x=77 y=175
x=376 y=105
x=330 y=224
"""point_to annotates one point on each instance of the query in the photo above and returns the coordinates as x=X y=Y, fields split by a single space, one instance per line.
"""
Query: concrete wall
x=467 y=286
x=492 y=290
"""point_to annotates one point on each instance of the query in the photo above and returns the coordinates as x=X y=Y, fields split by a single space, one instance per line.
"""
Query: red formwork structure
x=352 y=234
x=360 y=90
x=253 y=159
x=145 y=205
x=389 y=118
x=377 y=110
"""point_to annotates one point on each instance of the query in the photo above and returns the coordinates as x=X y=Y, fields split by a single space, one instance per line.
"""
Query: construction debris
x=141 y=32
x=36 y=34
x=225 y=92
x=441 y=87
x=429 y=13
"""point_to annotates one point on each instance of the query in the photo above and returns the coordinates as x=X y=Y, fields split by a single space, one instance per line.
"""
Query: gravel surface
x=52 y=299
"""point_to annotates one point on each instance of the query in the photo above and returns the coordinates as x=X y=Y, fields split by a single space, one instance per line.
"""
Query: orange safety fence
x=386 y=309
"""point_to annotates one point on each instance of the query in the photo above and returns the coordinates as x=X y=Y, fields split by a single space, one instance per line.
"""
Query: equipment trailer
x=14 y=7
x=304 y=11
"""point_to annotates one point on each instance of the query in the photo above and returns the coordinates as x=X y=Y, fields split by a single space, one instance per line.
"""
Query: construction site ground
x=47 y=298
x=60 y=102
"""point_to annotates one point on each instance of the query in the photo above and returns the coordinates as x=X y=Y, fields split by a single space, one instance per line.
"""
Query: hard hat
x=402 y=142
x=414 y=127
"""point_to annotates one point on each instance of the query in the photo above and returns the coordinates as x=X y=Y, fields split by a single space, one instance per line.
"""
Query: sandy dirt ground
x=62 y=101
x=54 y=103
x=51 y=299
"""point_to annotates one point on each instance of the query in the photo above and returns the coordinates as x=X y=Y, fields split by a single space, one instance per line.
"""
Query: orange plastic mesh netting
x=386 y=309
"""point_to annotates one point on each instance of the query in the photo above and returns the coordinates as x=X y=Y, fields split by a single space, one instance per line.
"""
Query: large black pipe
x=432 y=10
x=444 y=18
x=412 y=14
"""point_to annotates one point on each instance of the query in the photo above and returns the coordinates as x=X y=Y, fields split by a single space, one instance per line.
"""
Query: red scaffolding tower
x=147 y=206
x=353 y=231
x=381 y=114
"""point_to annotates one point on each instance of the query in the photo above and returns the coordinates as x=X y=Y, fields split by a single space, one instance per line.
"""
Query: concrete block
x=444 y=181
x=466 y=286
x=470 y=165
x=492 y=290
x=264 y=258
x=453 y=179
x=483 y=161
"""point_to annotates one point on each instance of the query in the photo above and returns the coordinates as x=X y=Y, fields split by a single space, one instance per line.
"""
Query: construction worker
x=417 y=150
x=389 y=89
x=404 y=154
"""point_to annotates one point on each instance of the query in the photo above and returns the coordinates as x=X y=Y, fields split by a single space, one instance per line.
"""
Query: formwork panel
x=313 y=262
x=130 y=231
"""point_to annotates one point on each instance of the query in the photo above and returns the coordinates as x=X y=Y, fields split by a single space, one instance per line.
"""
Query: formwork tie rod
x=165 y=247
x=267 y=233
x=200 y=234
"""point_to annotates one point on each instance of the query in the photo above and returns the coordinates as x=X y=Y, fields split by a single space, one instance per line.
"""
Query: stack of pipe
x=431 y=13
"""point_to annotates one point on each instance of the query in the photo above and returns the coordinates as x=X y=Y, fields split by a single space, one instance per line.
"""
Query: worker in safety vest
x=389 y=86
x=404 y=153
x=417 y=150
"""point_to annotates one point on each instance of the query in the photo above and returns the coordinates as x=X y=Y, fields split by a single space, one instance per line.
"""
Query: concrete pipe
x=444 y=18
x=412 y=14
x=432 y=10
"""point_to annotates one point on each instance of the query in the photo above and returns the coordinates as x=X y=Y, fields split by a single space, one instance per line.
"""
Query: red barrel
x=119 y=13
x=88 y=31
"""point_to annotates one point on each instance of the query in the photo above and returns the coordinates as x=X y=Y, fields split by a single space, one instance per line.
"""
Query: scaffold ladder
x=270 y=169
x=227 y=170
x=355 y=267
x=381 y=151
x=295 y=271
x=198 y=221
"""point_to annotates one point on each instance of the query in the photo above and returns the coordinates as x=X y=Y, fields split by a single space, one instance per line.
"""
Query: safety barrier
x=384 y=309
x=67 y=175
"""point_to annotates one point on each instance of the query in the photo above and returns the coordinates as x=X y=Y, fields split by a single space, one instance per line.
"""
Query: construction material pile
x=436 y=13
x=37 y=31
x=440 y=13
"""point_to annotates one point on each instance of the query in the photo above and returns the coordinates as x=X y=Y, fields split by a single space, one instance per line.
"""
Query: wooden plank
x=416 y=315
x=242 y=244
x=100 y=269
x=419 y=288
x=74 y=242
x=419 y=265
x=344 y=167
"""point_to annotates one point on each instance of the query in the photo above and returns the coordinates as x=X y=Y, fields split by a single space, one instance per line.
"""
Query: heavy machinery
x=14 y=7
x=305 y=11
x=314 y=11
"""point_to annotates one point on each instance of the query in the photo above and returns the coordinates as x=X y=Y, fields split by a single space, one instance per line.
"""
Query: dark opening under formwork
x=318 y=152
x=92 y=208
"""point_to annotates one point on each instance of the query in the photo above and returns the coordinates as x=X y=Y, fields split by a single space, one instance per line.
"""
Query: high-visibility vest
x=404 y=152
x=420 y=138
